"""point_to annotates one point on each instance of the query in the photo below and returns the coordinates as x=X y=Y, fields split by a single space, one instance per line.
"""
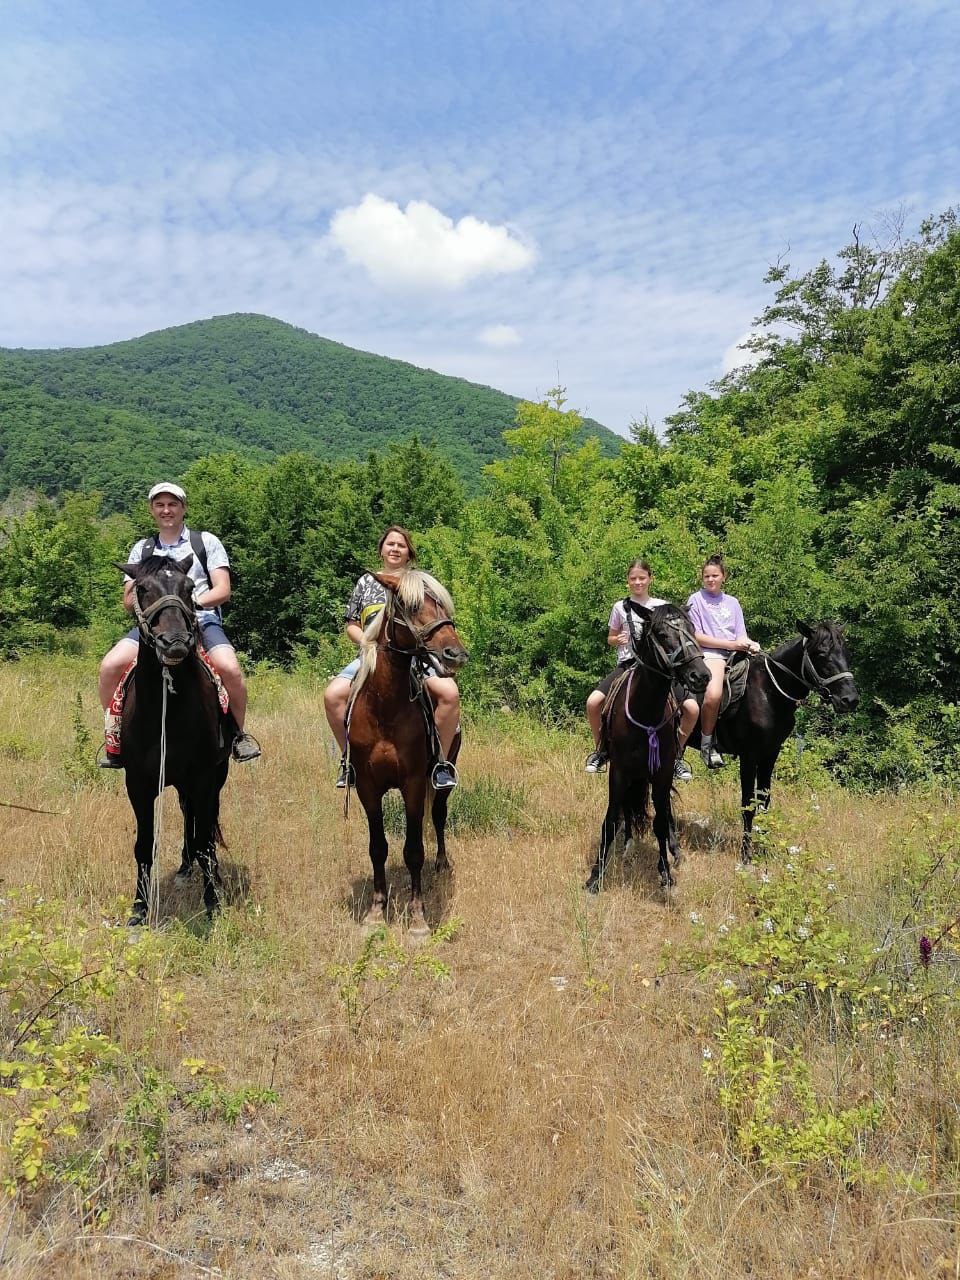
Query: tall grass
x=545 y=1110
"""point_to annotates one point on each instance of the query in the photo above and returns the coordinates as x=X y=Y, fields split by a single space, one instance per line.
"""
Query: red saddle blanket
x=114 y=712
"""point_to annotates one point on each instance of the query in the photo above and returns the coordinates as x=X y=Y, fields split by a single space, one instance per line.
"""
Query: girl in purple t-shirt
x=720 y=631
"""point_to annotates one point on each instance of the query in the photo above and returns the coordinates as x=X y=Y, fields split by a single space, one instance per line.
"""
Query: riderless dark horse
x=640 y=732
x=756 y=727
x=172 y=731
x=391 y=732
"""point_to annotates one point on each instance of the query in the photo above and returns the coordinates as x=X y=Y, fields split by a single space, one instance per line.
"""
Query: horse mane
x=413 y=587
x=156 y=564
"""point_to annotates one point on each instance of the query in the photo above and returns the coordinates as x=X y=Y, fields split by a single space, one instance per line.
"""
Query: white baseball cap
x=166 y=487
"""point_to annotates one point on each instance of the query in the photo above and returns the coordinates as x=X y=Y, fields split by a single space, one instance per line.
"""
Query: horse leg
x=764 y=779
x=141 y=799
x=748 y=804
x=608 y=833
x=438 y=814
x=203 y=847
x=186 y=858
x=373 y=806
x=662 y=822
x=414 y=796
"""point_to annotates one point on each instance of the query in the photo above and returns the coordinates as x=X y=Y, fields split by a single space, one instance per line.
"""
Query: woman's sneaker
x=596 y=762
x=710 y=755
x=444 y=776
x=682 y=771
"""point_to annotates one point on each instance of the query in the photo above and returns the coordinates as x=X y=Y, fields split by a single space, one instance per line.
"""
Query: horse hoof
x=593 y=885
x=677 y=857
x=419 y=931
x=374 y=918
x=137 y=920
x=183 y=872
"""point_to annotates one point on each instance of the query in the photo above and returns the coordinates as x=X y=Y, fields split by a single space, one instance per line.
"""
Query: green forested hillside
x=106 y=417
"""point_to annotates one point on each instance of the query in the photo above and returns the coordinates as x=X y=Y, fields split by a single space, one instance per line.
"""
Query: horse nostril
x=454 y=656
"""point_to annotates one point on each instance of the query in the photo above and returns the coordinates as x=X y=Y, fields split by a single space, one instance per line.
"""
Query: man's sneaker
x=342 y=775
x=596 y=762
x=245 y=748
x=711 y=756
x=444 y=776
x=682 y=771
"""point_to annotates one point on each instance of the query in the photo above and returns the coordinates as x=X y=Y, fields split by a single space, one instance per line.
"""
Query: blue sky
x=515 y=193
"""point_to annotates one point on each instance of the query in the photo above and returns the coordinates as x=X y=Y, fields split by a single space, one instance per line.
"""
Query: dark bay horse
x=388 y=725
x=172 y=727
x=756 y=728
x=640 y=730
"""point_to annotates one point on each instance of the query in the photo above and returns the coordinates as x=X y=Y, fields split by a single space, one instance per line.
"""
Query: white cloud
x=737 y=356
x=499 y=335
x=420 y=246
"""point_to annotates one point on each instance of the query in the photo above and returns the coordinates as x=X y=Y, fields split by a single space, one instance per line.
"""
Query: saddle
x=114 y=713
x=735 y=681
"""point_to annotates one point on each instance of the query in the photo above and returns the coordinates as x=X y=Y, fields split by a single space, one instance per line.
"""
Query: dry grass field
x=542 y=1111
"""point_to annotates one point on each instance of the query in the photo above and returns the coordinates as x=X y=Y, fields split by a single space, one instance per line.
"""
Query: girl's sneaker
x=596 y=762
x=682 y=771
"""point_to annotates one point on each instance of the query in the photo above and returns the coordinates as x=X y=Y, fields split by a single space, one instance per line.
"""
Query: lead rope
x=153 y=912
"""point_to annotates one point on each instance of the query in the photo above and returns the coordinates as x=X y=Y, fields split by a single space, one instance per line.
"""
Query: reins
x=808 y=676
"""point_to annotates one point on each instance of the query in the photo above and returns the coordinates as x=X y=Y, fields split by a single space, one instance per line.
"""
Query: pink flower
x=926 y=951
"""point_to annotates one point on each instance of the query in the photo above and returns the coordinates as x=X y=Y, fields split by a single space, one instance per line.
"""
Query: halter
x=808 y=676
x=686 y=646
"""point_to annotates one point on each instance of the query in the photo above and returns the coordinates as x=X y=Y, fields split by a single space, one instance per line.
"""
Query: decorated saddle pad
x=114 y=712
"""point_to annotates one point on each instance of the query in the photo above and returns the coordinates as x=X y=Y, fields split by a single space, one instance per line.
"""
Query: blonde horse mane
x=413 y=587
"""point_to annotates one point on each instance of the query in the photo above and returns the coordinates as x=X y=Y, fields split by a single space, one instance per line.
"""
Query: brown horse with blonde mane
x=390 y=723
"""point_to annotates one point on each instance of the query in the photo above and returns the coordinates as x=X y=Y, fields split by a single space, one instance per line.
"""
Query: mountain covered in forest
x=111 y=417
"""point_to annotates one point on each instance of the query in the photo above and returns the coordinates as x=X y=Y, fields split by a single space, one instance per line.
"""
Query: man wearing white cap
x=168 y=504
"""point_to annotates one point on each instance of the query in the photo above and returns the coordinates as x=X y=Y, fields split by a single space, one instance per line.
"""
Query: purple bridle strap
x=651 y=730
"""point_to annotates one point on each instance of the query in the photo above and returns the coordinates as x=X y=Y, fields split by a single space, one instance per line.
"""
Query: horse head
x=826 y=666
x=163 y=605
x=667 y=643
x=419 y=618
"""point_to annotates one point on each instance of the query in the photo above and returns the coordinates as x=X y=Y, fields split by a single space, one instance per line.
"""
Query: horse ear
x=185 y=563
x=804 y=629
x=389 y=580
x=130 y=570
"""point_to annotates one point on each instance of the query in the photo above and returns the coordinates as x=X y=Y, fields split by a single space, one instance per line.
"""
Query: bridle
x=669 y=662
x=808 y=676
x=421 y=634
x=146 y=616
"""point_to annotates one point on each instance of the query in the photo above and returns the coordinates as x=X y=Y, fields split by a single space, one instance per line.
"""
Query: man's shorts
x=211 y=634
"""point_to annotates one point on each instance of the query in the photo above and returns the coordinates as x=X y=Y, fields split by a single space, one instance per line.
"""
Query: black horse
x=640 y=730
x=756 y=728
x=172 y=723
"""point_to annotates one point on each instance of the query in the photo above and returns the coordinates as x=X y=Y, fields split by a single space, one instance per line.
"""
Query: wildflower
x=768 y=925
x=926 y=951
x=830 y=868
x=790 y=866
x=723 y=930
x=793 y=848
x=728 y=984
x=764 y=878
x=815 y=808
x=803 y=931
x=707 y=1054
x=776 y=989
x=695 y=917
x=831 y=887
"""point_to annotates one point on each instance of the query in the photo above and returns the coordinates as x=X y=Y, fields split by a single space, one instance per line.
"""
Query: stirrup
x=245 y=747
x=106 y=760
x=444 y=776
x=343 y=780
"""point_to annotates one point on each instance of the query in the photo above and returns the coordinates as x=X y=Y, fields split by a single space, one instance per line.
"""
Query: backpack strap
x=196 y=543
